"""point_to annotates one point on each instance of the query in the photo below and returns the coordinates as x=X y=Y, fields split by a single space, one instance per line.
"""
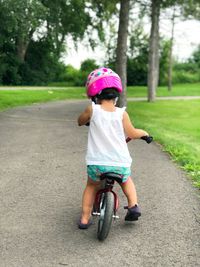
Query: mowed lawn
x=174 y=124
x=177 y=90
x=13 y=98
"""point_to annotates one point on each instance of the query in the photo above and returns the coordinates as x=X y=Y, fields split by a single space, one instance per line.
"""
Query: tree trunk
x=21 y=47
x=121 y=60
x=153 y=65
x=170 y=53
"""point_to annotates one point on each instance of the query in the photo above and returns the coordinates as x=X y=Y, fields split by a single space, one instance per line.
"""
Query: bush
x=88 y=65
x=41 y=66
x=74 y=77
x=185 y=77
x=70 y=74
x=136 y=71
x=185 y=66
x=81 y=78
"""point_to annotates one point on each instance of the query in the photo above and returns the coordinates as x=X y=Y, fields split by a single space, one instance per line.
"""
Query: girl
x=107 y=150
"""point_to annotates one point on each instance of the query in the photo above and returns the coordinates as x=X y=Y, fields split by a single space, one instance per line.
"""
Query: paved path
x=42 y=175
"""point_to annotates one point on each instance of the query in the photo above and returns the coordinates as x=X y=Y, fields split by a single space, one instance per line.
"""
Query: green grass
x=176 y=125
x=16 y=98
x=78 y=92
x=177 y=90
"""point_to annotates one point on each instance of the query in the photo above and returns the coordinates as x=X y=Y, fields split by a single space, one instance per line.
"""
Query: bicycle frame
x=108 y=187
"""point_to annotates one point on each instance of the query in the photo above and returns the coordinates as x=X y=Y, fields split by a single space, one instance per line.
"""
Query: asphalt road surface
x=42 y=176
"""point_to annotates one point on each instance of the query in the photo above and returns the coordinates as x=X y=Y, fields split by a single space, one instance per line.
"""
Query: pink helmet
x=101 y=79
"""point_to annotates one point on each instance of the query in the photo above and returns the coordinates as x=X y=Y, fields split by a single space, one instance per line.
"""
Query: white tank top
x=106 y=138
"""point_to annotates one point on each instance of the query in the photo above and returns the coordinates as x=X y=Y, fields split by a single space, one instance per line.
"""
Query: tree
x=153 y=65
x=66 y=18
x=41 y=65
x=27 y=17
x=21 y=19
x=195 y=59
x=104 y=10
x=164 y=61
x=41 y=24
x=137 y=57
x=121 y=53
x=190 y=8
x=170 y=50
x=88 y=65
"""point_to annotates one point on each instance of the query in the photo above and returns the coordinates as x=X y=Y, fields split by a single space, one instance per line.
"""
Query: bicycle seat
x=111 y=175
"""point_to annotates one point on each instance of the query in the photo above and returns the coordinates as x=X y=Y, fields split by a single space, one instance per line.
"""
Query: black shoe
x=84 y=226
x=133 y=213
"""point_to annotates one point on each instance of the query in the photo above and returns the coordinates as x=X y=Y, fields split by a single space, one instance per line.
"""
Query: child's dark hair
x=108 y=94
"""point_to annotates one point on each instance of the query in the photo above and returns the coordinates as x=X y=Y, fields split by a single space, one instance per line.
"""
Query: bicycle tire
x=106 y=215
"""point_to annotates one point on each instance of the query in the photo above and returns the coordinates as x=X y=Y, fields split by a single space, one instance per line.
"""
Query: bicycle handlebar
x=146 y=138
x=128 y=139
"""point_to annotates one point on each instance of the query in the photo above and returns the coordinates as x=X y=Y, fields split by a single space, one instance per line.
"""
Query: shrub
x=185 y=77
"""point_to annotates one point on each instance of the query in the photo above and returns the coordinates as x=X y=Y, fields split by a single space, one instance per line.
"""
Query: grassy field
x=176 y=125
x=11 y=98
x=177 y=90
x=16 y=98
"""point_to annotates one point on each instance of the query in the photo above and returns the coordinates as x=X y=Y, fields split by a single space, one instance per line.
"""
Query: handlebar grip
x=128 y=139
x=147 y=138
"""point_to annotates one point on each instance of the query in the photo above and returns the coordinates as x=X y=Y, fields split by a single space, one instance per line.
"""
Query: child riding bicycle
x=107 y=150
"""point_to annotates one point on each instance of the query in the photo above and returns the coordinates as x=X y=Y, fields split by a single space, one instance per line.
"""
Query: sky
x=187 y=38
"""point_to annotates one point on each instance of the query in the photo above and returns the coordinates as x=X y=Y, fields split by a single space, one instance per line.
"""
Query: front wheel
x=106 y=215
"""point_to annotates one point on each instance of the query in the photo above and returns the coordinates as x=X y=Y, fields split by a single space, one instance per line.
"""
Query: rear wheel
x=106 y=215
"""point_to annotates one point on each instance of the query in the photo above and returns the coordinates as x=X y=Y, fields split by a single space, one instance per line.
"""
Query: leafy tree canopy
x=36 y=29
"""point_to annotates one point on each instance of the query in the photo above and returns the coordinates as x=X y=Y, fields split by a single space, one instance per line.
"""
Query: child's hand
x=85 y=116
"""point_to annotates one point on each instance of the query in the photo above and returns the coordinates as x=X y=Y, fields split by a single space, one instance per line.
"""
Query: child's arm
x=85 y=116
x=130 y=130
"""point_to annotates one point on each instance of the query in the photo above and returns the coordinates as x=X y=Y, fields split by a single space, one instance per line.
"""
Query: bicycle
x=106 y=201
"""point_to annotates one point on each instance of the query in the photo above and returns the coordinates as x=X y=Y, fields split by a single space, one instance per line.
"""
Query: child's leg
x=130 y=192
x=88 y=200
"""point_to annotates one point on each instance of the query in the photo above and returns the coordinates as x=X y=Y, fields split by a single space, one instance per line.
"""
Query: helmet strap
x=116 y=99
x=94 y=99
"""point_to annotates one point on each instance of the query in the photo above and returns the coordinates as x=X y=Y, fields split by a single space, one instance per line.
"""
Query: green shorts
x=94 y=171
